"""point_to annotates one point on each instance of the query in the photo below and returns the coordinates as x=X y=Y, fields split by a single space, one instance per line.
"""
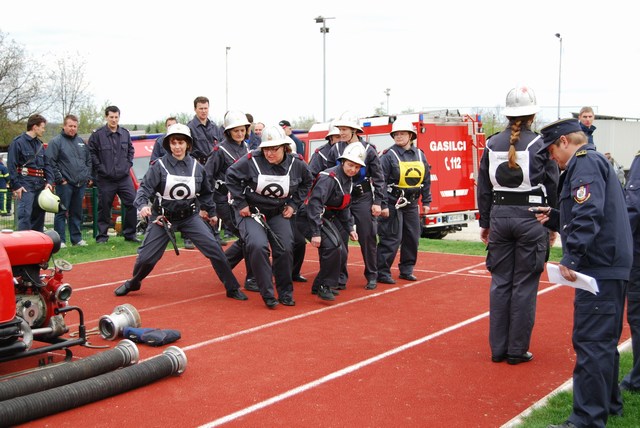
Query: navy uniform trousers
x=107 y=191
x=330 y=254
x=235 y=253
x=155 y=244
x=632 y=379
x=367 y=229
x=400 y=230
x=256 y=246
x=516 y=255
x=597 y=325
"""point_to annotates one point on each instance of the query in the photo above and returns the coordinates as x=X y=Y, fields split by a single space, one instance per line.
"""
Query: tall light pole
x=324 y=30
x=387 y=92
x=559 y=72
x=226 y=78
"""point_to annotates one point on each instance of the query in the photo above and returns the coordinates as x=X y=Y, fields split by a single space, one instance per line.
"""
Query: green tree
x=89 y=117
x=303 y=122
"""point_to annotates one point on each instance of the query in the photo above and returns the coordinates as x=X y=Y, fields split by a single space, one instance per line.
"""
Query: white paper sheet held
x=584 y=282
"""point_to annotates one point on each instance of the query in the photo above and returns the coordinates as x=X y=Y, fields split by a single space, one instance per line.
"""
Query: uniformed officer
x=326 y=221
x=183 y=200
x=513 y=177
x=225 y=154
x=111 y=158
x=267 y=187
x=29 y=173
x=631 y=381
x=596 y=241
x=205 y=133
x=406 y=172
x=367 y=195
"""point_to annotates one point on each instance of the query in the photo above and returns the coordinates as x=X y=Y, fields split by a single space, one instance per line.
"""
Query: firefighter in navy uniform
x=367 y=195
x=513 y=177
x=318 y=161
x=225 y=154
x=29 y=174
x=326 y=221
x=631 y=381
x=596 y=241
x=406 y=172
x=184 y=197
x=267 y=187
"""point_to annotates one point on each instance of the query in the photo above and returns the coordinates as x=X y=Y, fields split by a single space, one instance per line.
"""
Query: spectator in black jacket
x=70 y=160
x=112 y=158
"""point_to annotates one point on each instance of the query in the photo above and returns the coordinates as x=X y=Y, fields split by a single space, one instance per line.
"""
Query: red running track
x=413 y=354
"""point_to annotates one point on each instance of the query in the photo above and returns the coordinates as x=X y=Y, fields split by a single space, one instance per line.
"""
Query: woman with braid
x=513 y=178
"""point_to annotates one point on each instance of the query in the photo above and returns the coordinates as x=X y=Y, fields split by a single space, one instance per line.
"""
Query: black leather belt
x=180 y=214
x=519 y=198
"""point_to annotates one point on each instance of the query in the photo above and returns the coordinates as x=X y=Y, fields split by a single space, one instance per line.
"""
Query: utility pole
x=324 y=30
x=387 y=92
x=226 y=77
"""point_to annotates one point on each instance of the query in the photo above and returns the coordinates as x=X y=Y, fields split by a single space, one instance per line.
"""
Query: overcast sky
x=152 y=58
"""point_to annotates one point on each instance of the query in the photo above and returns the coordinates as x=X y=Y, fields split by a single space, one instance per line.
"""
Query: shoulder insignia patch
x=581 y=194
x=581 y=153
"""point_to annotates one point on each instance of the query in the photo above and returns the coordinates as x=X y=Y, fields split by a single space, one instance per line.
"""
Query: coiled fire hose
x=124 y=354
x=37 y=405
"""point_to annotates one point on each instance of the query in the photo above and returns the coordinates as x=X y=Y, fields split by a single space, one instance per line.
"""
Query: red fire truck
x=453 y=144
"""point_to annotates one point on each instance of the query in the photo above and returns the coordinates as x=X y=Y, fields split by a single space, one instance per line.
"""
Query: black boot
x=125 y=288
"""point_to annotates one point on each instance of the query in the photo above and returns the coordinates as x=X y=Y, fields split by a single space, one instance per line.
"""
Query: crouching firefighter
x=326 y=220
x=406 y=174
x=184 y=198
x=268 y=185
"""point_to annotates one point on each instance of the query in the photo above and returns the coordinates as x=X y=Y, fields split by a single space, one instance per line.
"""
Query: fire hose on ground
x=37 y=405
x=124 y=354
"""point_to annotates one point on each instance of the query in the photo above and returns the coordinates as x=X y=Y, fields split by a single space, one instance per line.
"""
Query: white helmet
x=521 y=101
x=49 y=202
x=349 y=120
x=355 y=152
x=332 y=131
x=403 y=125
x=177 y=128
x=235 y=118
x=273 y=136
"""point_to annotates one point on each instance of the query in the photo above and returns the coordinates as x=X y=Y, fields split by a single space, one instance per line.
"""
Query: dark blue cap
x=555 y=130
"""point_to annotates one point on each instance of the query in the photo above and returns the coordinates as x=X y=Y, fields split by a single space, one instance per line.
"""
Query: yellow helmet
x=49 y=202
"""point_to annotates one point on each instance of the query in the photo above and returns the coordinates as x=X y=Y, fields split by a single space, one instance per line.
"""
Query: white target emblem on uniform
x=180 y=191
x=273 y=190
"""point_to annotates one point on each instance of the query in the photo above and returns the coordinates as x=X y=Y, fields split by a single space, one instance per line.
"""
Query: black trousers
x=258 y=246
x=155 y=244
x=107 y=191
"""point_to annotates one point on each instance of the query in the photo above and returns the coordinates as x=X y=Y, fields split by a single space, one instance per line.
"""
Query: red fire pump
x=33 y=297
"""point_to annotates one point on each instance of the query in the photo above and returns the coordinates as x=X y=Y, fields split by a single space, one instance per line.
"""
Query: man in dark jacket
x=596 y=241
x=112 y=158
x=631 y=381
x=70 y=160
